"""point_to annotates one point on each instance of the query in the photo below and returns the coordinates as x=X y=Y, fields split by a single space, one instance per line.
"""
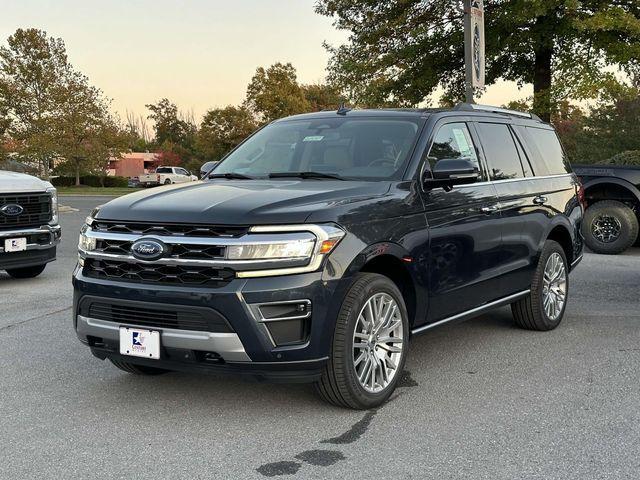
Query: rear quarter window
x=547 y=155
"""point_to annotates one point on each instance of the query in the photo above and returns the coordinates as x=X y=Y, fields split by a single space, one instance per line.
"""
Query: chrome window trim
x=509 y=180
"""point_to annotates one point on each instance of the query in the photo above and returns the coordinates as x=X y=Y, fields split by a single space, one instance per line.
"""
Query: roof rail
x=492 y=109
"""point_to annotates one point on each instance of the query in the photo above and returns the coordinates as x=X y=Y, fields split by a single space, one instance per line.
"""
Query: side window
x=452 y=141
x=552 y=156
x=182 y=171
x=500 y=150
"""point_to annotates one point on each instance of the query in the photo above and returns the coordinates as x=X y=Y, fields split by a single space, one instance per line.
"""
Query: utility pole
x=473 y=47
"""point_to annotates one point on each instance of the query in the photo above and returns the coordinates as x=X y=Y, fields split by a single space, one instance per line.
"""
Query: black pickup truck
x=612 y=196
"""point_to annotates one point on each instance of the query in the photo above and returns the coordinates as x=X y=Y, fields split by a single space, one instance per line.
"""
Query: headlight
x=54 y=205
x=86 y=243
x=286 y=249
x=274 y=250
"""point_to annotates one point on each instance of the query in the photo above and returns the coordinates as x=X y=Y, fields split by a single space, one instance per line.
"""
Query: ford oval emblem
x=148 y=249
x=12 y=210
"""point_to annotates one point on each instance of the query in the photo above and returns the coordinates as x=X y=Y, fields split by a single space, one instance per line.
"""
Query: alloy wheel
x=378 y=342
x=554 y=288
x=606 y=228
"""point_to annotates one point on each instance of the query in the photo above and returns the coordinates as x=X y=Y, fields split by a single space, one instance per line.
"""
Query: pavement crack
x=22 y=322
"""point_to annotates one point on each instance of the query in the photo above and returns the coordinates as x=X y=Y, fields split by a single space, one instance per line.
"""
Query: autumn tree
x=400 y=51
x=222 y=129
x=274 y=93
x=175 y=133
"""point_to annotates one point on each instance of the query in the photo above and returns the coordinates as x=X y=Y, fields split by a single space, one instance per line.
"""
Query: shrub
x=630 y=157
x=90 y=181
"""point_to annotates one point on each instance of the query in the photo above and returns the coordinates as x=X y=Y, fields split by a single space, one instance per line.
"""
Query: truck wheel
x=26 y=272
x=137 y=369
x=167 y=181
x=609 y=227
x=369 y=345
x=544 y=307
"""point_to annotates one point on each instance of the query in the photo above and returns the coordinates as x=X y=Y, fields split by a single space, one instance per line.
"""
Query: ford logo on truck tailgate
x=12 y=210
x=144 y=249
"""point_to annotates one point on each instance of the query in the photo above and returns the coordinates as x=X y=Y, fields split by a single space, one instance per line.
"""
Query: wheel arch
x=561 y=233
x=610 y=189
x=394 y=262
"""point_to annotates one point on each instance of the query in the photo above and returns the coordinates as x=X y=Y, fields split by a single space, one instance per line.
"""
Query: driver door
x=464 y=229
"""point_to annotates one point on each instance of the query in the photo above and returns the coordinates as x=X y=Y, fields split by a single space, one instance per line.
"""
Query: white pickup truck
x=167 y=176
x=29 y=230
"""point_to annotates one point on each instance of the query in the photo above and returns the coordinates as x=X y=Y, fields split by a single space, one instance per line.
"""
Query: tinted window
x=452 y=141
x=549 y=156
x=164 y=170
x=359 y=148
x=501 y=152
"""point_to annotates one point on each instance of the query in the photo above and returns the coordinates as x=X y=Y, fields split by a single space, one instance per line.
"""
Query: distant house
x=132 y=164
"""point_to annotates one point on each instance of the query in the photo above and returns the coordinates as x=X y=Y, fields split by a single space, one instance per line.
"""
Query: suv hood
x=12 y=182
x=241 y=202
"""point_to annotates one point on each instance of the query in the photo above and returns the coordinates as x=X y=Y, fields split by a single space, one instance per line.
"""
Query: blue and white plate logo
x=12 y=210
x=144 y=249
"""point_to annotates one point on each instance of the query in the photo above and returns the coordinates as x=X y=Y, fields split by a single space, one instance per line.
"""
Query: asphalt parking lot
x=479 y=400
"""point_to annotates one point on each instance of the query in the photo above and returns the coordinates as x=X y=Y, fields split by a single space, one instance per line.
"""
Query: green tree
x=175 y=134
x=34 y=69
x=400 y=51
x=86 y=133
x=222 y=129
x=275 y=93
x=322 y=96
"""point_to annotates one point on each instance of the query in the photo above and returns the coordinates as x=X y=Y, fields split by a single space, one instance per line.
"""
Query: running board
x=474 y=312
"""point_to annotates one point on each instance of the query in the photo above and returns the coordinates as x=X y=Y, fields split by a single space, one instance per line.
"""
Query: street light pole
x=473 y=47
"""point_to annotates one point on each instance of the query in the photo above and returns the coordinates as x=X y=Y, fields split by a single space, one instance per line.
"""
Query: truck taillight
x=158 y=178
x=581 y=196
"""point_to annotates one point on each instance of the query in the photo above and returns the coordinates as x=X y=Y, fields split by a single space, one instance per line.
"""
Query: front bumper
x=247 y=348
x=41 y=246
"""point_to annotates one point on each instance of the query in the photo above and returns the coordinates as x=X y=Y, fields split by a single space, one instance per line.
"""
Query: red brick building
x=132 y=164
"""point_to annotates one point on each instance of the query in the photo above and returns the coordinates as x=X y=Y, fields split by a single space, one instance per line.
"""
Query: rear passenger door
x=463 y=227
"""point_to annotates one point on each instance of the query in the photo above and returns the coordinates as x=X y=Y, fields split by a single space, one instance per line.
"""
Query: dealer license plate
x=15 y=244
x=140 y=343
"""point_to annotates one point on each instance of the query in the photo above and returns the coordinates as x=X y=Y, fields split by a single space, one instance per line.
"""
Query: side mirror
x=207 y=167
x=451 y=171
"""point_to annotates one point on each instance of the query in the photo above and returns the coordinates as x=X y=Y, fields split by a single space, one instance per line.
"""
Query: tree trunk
x=542 y=83
x=77 y=175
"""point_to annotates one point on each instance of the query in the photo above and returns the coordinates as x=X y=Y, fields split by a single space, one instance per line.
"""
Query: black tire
x=529 y=312
x=137 y=369
x=339 y=384
x=621 y=214
x=167 y=181
x=26 y=272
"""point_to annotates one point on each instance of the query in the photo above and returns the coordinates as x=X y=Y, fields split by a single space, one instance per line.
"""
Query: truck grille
x=161 y=316
x=36 y=210
x=178 y=251
x=170 y=229
x=157 y=273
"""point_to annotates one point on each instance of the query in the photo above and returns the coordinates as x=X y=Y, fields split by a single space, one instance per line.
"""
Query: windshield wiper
x=230 y=176
x=306 y=175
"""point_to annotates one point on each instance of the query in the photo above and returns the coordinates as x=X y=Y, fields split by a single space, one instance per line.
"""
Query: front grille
x=169 y=229
x=36 y=210
x=161 y=316
x=179 y=251
x=157 y=273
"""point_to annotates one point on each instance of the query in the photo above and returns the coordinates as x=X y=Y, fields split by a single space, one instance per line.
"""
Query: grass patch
x=113 y=191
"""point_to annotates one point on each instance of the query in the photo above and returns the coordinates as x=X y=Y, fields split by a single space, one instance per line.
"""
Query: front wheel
x=167 y=181
x=369 y=346
x=26 y=272
x=544 y=307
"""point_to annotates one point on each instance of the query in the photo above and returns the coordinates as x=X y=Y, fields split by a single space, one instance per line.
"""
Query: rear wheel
x=369 y=345
x=544 y=307
x=26 y=272
x=167 y=181
x=609 y=227
x=137 y=369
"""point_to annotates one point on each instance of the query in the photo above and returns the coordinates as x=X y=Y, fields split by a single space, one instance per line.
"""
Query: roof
x=468 y=109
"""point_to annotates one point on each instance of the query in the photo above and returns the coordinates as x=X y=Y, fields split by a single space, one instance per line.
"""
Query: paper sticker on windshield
x=313 y=138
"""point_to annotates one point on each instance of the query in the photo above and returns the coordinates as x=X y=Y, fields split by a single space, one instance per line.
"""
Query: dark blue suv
x=321 y=244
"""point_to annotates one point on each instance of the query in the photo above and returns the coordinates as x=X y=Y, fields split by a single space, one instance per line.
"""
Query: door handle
x=489 y=209
x=540 y=200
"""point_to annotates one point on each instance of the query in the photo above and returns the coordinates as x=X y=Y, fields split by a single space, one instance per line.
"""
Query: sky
x=200 y=54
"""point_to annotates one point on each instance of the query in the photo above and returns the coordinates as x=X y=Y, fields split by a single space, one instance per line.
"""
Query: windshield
x=352 y=148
